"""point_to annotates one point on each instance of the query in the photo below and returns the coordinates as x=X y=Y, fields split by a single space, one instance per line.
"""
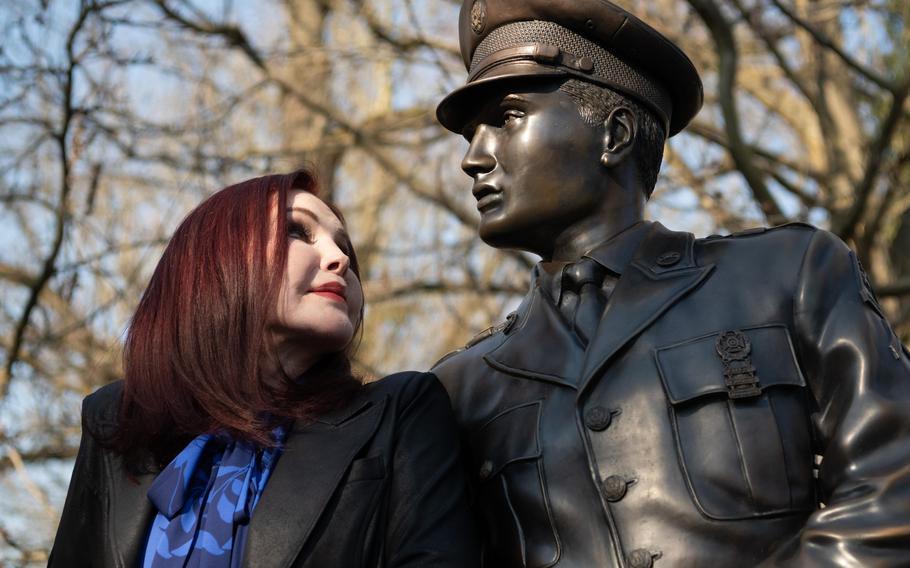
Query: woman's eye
x=299 y=231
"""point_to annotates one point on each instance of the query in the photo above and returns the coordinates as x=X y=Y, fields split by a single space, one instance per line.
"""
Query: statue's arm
x=859 y=376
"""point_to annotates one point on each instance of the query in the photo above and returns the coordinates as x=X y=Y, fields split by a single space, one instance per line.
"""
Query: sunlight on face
x=320 y=299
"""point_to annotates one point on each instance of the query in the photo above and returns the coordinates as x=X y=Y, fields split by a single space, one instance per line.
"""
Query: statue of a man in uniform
x=657 y=399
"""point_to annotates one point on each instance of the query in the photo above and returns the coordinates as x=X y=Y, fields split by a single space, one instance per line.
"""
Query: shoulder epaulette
x=505 y=327
x=761 y=230
x=492 y=330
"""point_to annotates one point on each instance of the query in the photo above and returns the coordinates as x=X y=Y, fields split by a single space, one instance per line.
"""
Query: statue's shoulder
x=786 y=238
x=476 y=346
x=784 y=230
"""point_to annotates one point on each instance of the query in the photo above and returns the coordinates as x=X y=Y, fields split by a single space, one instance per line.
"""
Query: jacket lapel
x=313 y=463
x=541 y=346
x=662 y=271
x=131 y=516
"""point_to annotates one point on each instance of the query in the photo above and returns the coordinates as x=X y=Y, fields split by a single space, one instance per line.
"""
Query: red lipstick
x=331 y=291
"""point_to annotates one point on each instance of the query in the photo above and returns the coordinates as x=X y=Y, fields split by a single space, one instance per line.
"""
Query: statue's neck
x=593 y=231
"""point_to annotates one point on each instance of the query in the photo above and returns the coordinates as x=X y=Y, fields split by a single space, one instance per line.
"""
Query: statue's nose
x=479 y=157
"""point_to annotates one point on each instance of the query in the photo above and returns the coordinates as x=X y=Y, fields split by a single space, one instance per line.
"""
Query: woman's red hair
x=198 y=345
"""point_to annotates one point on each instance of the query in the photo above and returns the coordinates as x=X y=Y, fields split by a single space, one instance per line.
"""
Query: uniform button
x=510 y=322
x=598 y=418
x=641 y=558
x=614 y=488
x=668 y=259
x=486 y=468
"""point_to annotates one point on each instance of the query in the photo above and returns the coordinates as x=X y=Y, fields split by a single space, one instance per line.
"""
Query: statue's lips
x=487 y=197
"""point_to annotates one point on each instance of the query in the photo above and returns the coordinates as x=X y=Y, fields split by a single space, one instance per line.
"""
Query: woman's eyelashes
x=300 y=231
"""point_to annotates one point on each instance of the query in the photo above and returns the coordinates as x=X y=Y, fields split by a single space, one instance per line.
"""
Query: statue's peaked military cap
x=592 y=40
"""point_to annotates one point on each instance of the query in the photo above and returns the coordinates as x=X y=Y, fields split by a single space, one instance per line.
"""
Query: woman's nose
x=479 y=158
x=335 y=260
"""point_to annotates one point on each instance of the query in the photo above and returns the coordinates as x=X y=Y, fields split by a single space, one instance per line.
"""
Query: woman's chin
x=320 y=341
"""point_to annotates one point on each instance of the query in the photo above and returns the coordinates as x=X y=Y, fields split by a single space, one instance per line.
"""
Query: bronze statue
x=657 y=399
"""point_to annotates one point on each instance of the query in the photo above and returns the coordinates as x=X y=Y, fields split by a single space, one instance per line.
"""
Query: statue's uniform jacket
x=633 y=453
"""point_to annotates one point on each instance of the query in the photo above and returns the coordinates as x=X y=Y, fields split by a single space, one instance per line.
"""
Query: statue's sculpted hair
x=595 y=104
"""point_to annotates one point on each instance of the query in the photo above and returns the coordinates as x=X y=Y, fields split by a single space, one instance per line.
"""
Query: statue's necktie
x=582 y=299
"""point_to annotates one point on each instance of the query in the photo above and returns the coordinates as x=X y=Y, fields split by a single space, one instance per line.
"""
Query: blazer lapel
x=541 y=346
x=131 y=516
x=662 y=271
x=315 y=459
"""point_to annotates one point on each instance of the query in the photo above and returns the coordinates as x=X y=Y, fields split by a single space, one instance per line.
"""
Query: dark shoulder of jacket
x=407 y=386
x=403 y=384
x=795 y=226
x=790 y=238
x=475 y=344
x=99 y=409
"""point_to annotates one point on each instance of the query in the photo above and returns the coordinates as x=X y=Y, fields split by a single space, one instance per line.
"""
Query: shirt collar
x=614 y=254
x=617 y=252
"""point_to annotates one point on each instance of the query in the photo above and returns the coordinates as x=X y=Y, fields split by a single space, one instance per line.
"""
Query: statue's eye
x=511 y=115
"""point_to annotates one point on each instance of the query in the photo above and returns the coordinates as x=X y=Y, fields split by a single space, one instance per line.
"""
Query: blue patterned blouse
x=205 y=498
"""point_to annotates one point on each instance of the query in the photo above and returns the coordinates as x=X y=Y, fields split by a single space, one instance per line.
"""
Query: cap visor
x=462 y=104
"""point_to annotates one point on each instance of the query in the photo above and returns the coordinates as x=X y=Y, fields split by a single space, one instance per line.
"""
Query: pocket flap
x=694 y=368
x=367 y=468
x=510 y=436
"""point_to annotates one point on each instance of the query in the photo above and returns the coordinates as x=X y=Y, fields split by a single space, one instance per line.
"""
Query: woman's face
x=320 y=298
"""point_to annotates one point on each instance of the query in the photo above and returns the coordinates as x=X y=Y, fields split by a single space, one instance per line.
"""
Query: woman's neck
x=293 y=360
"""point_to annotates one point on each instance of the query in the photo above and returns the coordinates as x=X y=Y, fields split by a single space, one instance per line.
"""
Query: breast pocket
x=741 y=425
x=511 y=492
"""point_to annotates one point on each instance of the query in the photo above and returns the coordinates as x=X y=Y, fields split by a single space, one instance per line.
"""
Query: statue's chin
x=501 y=237
x=496 y=233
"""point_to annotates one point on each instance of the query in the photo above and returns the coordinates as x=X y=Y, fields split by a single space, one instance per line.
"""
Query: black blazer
x=378 y=483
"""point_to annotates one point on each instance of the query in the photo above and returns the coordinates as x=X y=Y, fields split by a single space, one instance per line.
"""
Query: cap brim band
x=459 y=106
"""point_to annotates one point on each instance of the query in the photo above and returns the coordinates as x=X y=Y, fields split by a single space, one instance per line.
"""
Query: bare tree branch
x=403 y=44
x=62 y=213
x=232 y=35
x=826 y=42
x=894 y=289
x=753 y=18
x=15 y=458
x=722 y=34
x=875 y=158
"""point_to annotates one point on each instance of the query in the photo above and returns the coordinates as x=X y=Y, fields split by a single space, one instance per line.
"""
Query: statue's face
x=536 y=166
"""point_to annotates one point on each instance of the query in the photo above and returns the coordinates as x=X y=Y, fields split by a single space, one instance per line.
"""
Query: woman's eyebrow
x=306 y=212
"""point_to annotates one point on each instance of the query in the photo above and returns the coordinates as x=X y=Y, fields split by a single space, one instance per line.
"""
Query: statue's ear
x=620 y=129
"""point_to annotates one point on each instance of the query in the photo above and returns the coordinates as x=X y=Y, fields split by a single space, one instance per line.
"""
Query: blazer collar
x=661 y=272
x=315 y=459
x=293 y=500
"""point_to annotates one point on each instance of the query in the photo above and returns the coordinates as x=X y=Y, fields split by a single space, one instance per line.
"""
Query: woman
x=239 y=436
